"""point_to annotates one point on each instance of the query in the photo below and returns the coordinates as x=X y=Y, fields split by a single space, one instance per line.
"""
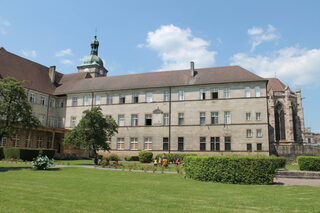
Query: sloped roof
x=35 y=75
x=275 y=85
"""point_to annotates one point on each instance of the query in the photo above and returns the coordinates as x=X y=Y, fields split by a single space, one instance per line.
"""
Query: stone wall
x=294 y=150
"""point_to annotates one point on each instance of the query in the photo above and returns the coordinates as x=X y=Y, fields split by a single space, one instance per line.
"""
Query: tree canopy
x=92 y=132
x=15 y=109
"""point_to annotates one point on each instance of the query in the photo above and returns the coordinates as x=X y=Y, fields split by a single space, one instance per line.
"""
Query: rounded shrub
x=42 y=163
x=132 y=158
x=309 y=163
x=145 y=156
x=233 y=169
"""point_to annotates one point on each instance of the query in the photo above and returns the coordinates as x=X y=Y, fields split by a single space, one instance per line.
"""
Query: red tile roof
x=275 y=84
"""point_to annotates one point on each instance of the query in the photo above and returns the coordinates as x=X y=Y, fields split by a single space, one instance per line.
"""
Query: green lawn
x=91 y=190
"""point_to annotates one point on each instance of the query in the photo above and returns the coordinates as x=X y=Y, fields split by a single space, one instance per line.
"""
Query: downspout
x=48 y=105
x=169 y=145
x=268 y=115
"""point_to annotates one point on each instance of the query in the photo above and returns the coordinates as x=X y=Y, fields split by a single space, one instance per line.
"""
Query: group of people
x=164 y=162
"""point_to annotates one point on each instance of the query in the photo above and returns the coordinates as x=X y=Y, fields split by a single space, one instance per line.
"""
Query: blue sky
x=267 y=37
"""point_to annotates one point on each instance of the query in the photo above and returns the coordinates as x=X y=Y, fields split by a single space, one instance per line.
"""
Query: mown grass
x=89 y=190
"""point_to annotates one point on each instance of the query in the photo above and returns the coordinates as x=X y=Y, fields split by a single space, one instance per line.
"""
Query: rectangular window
x=98 y=99
x=74 y=101
x=166 y=119
x=166 y=96
x=134 y=120
x=61 y=105
x=39 y=142
x=16 y=141
x=247 y=92
x=180 y=119
x=85 y=100
x=135 y=98
x=32 y=98
x=43 y=119
x=3 y=141
x=121 y=120
x=181 y=95
x=148 y=143
x=202 y=118
x=120 y=143
x=149 y=97
x=249 y=147
x=227 y=117
x=180 y=143
x=202 y=143
x=249 y=133
x=215 y=143
x=214 y=94
x=109 y=99
x=248 y=116
x=227 y=143
x=257 y=91
x=134 y=143
x=226 y=93
x=259 y=146
x=165 y=146
x=202 y=94
x=259 y=133
x=73 y=121
x=52 y=103
x=43 y=100
x=122 y=99
x=214 y=117
x=148 y=119
x=258 y=116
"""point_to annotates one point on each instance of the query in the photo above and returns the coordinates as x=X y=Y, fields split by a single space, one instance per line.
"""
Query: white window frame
x=121 y=121
x=258 y=116
x=42 y=100
x=166 y=96
x=181 y=95
x=215 y=116
x=247 y=92
x=134 y=143
x=259 y=133
x=147 y=143
x=149 y=97
x=98 y=99
x=134 y=120
x=227 y=117
x=16 y=140
x=248 y=116
x=202 y=95
x=257 y=91
x=74 y=101
x=120 y=144
x=166 y=119
x=3 y=141
x=202 y=116
x=249 y=133
x=226 y=93
x=180 y=118
x=86 y=100
x=32 y=98
x=109 y=99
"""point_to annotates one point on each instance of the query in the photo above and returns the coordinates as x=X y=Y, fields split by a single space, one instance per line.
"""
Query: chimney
x=193 y=72
x=52 y=73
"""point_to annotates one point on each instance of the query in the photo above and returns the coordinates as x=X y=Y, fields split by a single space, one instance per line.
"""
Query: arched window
x=280 y=122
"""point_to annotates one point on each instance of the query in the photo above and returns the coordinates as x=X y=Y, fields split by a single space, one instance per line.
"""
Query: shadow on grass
x=6 y=169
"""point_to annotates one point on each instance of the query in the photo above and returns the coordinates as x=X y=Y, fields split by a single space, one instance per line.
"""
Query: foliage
x=65 y=156
x=172 y=157
x=42 y=163
x=113 y=157
x=233 y=169
x=15 y=110
x=92 y=132
x=11 y=153
x=26 y=154
x=145 y=156
x=132 y=158
x=1 y=153
x=309 y=163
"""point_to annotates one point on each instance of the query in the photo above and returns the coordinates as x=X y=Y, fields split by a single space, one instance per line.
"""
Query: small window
x=85 y=100
x=165 y=146
x=214 y=94
x=73 y=121
x=148 y=143
x=74 y=101
x=52 y=103
x=202 y=94
x=215 y=143
x=134 y=120
x=32 y=98
x=249 y=147
x=98 y=99
x=43 y=100
x=148 y=119
x=247 y=92
x=259 y=146
x=226 y=93
x=122 y=99
x=180 y=119
x=120 y=143
x=180 y=143
x=227 y=117
x=214 y=117
x=248 y=116
x=258 y=116
x=109 y=99
x=3 y=141
x=61 y=105
x=39 y=142
x=166 y=119
x=121 y=120
x=16 y=141
x=134 y=143
x=202 y=118
x=181 y=95
x=149 y=97
x=135 y=98
x=249 y=133
x=166 y=96
x=202 y=143
x=257 y=91
x=227 y=143
x=259 y=133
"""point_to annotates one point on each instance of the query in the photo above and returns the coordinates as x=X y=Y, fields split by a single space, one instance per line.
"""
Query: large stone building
x=221 y=110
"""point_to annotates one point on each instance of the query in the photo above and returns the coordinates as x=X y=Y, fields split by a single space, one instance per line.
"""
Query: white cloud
x=29 y=53
x=66 y=62
x=64 y=52
x=293 y=65
x=177 y=47
x=258 y=35
x=4 y=24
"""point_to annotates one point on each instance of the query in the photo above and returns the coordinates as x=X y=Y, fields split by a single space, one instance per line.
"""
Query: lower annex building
x=220 y=110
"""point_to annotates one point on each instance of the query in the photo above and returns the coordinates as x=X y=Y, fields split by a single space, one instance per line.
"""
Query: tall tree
x=15 y=109
x=92 y=132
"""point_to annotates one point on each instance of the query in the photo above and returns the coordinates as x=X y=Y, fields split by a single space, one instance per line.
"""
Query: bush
x=233 y=169
x=66 y=156
x=48 y=152
x=26 y=154
x=132 y=158
x=145 y=156
x=309 y=163
x=29 y=154
x=11 y=153
x=42 y=163
x=172 y=157
x=112 y=157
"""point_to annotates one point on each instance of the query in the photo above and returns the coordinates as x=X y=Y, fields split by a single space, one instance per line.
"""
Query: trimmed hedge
x=26 y=154
x=309 y=163
x=1 y=153
x=172 y=157
x=132 y=158
x=233 y=169
x=145 y=156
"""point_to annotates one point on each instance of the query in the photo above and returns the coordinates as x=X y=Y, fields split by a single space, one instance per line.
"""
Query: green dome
x=93 y=59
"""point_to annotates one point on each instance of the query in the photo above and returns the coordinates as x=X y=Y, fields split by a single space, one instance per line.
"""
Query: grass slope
x=90 y=190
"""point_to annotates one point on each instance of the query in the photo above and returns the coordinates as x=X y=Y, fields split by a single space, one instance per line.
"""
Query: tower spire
x=94 y=46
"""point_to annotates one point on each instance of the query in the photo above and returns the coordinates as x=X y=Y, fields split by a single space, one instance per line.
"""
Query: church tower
x=93 y=64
